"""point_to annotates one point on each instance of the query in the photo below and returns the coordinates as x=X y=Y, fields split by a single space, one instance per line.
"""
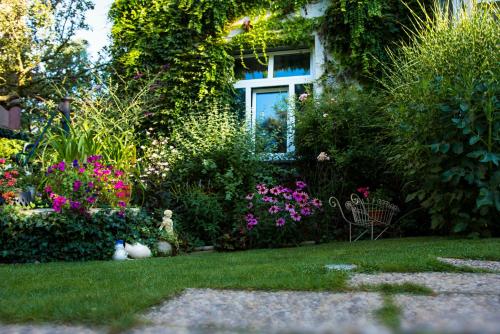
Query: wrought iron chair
x=367 y=213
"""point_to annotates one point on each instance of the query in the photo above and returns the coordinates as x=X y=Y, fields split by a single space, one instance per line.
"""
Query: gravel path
x=488 y=265
x=468 y=283
x=206 y=310
x=47 y=329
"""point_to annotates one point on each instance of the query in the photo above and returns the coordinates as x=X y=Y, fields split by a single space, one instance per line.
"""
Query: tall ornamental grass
x=445 y=117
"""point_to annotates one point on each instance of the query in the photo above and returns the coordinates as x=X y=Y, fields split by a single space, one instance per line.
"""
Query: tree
x=37 y=47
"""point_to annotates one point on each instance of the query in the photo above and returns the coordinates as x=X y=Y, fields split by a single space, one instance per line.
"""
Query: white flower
x=323 y=157
x=325 y=115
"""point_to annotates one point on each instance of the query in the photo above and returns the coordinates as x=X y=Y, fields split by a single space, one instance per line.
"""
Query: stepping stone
x=466 y=283
x=221 y=311
x=478 y=264
x=453 y=313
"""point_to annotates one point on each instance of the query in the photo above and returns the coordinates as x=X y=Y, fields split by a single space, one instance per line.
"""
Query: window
x=269 y=92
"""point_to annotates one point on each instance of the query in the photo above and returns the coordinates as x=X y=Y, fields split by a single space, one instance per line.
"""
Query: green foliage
x=445 y=114
x=68 y=237
x=10 y=147
x=358 y=32
x=185 y=41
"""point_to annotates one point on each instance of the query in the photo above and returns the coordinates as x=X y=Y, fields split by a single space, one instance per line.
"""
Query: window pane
x=292 y=65
x=271 y=117
x=251 y=69
x=238 y=103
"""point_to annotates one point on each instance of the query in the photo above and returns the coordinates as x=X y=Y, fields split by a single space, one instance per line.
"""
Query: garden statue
x=167 y=222
x=138 y=251
x=120 y=252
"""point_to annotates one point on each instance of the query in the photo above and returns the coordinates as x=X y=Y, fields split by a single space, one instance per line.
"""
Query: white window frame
x=254 y=86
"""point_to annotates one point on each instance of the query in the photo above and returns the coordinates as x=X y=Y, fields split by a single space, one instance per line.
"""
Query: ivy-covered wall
x=187 y=42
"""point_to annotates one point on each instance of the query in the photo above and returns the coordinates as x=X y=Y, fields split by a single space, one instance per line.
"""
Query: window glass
x=292 y=65
x=271 y=117
x=251 y=69
x=238 y=103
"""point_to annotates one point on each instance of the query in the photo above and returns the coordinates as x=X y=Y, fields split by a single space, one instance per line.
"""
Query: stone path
x=488 y=265
x=461 y=303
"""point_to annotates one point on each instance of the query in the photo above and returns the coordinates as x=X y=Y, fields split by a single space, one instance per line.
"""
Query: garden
x=167 y=144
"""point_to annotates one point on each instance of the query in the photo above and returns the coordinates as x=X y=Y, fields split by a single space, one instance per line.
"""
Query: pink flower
x=305 y=211
x=289 y=207
x=295 y=216
x=119 y=173
x=303 y=97
x=364 y=191
x=48 y=189
x=81 y=170
x=249 y=197
x=274 y=209
x=300 y=184
x=287 y=196
x=275 y=191
x=119 y=185
x=280 y=222
x=262 y=189
x=2 y=161
x=269 y=199
x=316 y=202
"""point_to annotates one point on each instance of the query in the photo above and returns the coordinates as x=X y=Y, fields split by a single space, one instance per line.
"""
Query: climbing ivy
x=359 y=32
x=186 y=41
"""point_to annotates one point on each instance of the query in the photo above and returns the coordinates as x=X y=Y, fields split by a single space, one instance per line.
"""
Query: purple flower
x=280 y=222
x=300 y=184
x=61 y=166
x=121 y=214
x=287 y=196
x=249 y=216
x=269 y=199
x=91 y=199
x=74 y=205
x=90 y=185
x=122 y=204
x=50 y=170
x=274 y=209
x=76 y=185
x=295 y=216
x=306 y=211
x=249 y=197
x=251 y=223
x=75 y=163
x=48 y=189
x=94 y=158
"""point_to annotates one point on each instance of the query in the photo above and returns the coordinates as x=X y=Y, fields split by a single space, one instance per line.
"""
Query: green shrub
x=346 y=126
x=69 y=237
x=211 y=167
x=445 y=119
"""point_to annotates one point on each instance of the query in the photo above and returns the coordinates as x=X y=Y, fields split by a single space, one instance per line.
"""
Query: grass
x=113 y=293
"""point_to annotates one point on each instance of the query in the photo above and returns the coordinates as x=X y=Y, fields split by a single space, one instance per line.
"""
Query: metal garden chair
x=367 y=213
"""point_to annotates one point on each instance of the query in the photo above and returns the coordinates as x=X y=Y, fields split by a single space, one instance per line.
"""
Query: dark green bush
x=445 y=118
x=69 y=237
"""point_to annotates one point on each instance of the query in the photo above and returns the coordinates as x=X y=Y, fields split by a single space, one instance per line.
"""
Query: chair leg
x=362 y=234
x=385 y=229
x=350 y=233
x=372 y=230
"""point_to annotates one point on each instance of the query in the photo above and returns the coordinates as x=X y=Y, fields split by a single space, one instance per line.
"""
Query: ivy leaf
x=411 y=196
x=444 y=148
x=485 y=198
x=474 y=139
x=457 y=148
x=460 y=227
x=487 y=157
x=435 y=147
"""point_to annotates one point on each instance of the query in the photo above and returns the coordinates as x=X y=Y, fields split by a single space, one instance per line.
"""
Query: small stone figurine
x=167 y=222
x=120 y=252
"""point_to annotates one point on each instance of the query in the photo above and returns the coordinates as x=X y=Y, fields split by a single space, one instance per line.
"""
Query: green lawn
x=113 y=293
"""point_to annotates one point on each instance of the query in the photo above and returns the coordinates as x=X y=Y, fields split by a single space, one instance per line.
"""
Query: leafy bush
x=10 y=147
x=81 y=185
x=211 y=166
x=445 y=119
x=69 y=237
x=275 y=214
x=338 y=143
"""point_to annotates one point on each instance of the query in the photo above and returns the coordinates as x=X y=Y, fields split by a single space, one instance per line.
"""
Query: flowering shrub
x=81 y=186
x=8 y=181
x=278 y=208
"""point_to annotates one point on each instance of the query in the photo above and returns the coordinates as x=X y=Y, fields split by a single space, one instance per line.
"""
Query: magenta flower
x=90 y=185
x=47 y=189
x=300 y=184
x=289 y=207
x=295 y=216
x=91 y=199
x=119 y=173
x=274 y=209
x=61 y=166
x=280 y=222
x=119 y=185
x=122 y=204
x=305 y=211
x=364 y=191
x=76 y=185
x=59 y=202
x=81 y=170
